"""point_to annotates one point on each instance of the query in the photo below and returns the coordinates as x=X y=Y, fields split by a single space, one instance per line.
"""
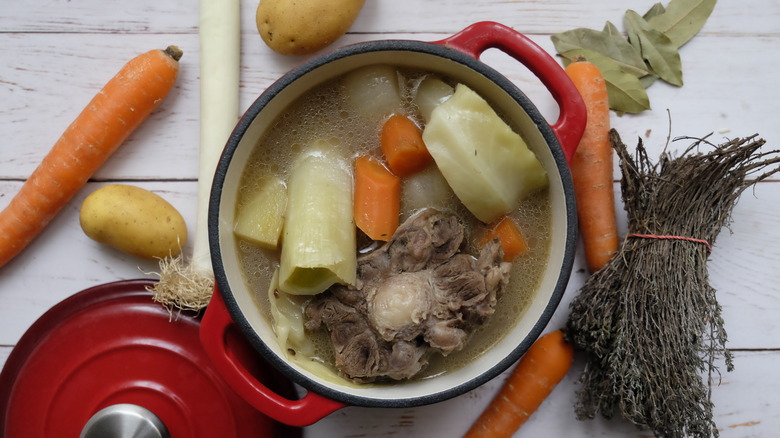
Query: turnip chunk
x=260 y=219
x=373 y=91
x=427 y=189
x=430 y=93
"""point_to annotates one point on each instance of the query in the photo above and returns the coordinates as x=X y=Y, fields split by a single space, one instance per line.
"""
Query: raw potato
x=133 y=220
x=301 y=27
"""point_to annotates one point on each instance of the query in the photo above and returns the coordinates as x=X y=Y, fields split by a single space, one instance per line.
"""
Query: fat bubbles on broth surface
x=347 y=115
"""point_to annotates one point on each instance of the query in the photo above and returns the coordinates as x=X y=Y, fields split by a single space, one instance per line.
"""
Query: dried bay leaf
x=638 y=67
x=654 y=11
x=608 y=42
x=656 y=48
x=682 y=19
x=649 y=53
x=626 y=92
x=648 y=80
x=611 y=30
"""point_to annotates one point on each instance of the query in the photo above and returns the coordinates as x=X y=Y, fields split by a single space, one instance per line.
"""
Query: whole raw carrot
x=591 y=169
x=123 y=103
x=533 y=379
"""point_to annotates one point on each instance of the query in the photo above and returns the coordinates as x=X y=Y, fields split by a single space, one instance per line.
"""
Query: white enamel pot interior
x=455 y=57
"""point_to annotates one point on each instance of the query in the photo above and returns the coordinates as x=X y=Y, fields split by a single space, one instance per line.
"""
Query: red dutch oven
x=233 y=307
x=109 y=361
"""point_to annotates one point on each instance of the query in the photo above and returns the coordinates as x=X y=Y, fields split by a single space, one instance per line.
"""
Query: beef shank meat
x=416 y=295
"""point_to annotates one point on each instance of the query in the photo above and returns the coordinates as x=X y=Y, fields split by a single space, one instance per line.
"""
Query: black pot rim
x=377 y=46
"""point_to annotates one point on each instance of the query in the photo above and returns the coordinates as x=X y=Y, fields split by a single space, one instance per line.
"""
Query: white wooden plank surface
x=737 y=415
x=56 y=54
x=377 y=16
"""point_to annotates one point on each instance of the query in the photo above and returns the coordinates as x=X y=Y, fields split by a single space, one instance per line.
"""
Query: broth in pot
x=434 y=295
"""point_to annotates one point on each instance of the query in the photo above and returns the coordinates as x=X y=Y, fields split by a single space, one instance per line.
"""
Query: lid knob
x=124 y=421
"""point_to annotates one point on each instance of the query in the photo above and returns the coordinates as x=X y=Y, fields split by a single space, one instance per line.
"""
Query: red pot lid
x=112 y=345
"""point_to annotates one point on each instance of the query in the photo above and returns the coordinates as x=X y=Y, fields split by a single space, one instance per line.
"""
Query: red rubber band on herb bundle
x=668 y=237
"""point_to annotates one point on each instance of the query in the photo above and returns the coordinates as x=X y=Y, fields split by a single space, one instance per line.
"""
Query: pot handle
x=484 y=35
x=215 y=329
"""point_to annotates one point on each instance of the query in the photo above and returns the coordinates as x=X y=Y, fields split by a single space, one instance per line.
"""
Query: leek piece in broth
x=318 y=243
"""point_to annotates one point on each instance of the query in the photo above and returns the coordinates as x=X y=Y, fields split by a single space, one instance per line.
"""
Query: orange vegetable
x=377 y=199
x=591 y=169
x=123 y=103
x=512 y=241
x=542 y=367
x=403 y=146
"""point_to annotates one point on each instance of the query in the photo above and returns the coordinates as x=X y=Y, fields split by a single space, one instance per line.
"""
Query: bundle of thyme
x=649 y=321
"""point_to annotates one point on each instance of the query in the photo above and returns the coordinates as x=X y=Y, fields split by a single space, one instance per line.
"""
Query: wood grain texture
x=736 y=416
x=63 y=260
x=377 y=16
x=58 y=53
x=39 y=102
